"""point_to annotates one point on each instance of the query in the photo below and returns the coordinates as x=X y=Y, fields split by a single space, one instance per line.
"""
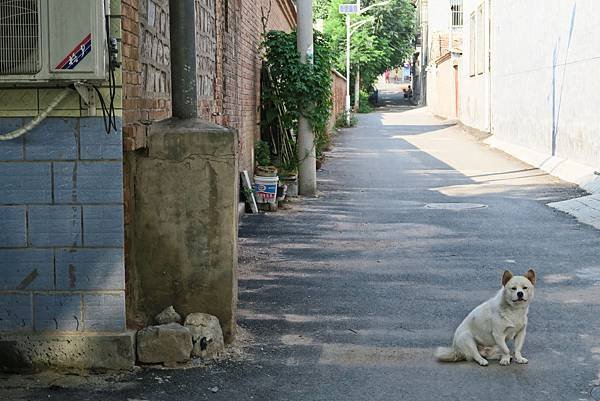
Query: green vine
x=290 y=89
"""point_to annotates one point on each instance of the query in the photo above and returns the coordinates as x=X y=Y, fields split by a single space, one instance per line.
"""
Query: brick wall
x=239 y=29
x=281 y=16
x=228 y=64
x=339 y=96
x=61 y=216
x=146 y=68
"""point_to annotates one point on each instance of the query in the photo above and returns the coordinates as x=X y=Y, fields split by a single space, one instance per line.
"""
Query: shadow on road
x=347 y=294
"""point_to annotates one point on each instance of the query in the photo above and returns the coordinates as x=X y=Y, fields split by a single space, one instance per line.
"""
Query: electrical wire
x=108 y=110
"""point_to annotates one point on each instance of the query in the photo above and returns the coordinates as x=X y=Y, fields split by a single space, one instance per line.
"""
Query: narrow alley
x=345 y=296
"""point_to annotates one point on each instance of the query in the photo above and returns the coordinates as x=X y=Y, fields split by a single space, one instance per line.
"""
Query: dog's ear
x=506 y=276
x=530 y=275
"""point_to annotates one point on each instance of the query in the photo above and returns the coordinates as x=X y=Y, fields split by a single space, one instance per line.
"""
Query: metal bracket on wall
x=88 y=96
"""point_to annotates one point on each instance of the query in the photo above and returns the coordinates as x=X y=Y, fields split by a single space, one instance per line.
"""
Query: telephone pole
x=307 y=160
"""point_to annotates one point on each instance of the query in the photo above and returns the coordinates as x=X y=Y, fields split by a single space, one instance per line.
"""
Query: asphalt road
x=345 y=296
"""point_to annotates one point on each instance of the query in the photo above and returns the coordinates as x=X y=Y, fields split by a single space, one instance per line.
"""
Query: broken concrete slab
x=207 y=335
x=166 y=344
x=168 y=315
x=585 y=209
x=34 y=352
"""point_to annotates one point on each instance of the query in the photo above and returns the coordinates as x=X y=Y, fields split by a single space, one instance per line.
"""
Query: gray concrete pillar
x=307 y=167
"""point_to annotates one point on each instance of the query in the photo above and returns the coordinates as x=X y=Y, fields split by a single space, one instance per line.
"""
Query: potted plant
x=289 y=180
x=262 y=158
x=265 y=177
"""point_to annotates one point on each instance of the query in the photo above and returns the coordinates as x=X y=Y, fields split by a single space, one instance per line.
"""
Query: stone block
x=168 y=315
x=26 y=269
x=13 y=149
x=90 y=269
x=169 y=343
x=32 y=352
x=57 y=312
x=104 y=312
x=96 y=144
x=13 y=232
x=25 y=183
x=207 y=335
x=15 y=313
x=88 y=182
x=103 y=226
x=55 y=226
x=53 y=139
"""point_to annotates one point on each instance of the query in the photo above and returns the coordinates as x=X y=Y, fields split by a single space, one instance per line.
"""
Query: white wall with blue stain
x=545 y=58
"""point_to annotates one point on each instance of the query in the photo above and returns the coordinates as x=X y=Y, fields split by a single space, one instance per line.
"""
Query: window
x=480 y=41
x=456 y=8
x=472 y=45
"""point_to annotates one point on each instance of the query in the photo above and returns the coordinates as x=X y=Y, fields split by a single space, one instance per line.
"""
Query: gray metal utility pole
x=307 y=160
x=350 y=30
x=357 y=89
x=183 y=58
x=348 y=33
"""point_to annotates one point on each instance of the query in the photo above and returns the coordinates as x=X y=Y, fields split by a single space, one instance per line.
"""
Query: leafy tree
x=384 y=41
x=291 y=88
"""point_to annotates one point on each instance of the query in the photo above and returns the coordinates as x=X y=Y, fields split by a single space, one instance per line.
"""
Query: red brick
x=237 y=82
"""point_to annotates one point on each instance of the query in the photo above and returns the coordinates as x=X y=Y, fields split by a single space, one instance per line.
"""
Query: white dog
x=485 y=330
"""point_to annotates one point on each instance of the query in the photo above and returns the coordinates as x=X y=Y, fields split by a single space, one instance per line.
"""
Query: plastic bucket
x=265 y=189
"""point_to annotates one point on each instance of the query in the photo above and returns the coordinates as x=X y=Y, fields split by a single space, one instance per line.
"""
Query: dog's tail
x=446 y=354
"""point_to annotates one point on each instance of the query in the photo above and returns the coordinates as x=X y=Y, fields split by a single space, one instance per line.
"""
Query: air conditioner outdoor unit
x=52 y=41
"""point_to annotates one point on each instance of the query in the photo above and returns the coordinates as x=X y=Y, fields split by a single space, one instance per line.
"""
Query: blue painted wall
x=61 y=227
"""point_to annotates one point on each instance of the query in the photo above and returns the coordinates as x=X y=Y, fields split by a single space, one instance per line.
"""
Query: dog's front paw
x=505 y=360
x=520 y=359
x=482 y=362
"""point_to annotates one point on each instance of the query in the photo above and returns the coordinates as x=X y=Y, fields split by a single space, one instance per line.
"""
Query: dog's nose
x=520 y=294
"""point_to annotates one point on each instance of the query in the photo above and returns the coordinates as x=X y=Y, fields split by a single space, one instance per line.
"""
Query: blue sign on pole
x=348 y=8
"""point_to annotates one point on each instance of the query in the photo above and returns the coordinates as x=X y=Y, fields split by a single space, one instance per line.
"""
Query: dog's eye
x=524 y=288
x=514 y=288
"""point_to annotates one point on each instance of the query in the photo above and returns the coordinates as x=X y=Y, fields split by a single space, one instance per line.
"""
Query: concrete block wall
x=62 y=270
x=61 y=219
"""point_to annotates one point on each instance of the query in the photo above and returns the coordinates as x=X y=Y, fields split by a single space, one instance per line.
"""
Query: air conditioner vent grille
x=19 y=37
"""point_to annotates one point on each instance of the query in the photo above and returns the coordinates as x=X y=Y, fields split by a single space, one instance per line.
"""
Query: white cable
x=36 y=121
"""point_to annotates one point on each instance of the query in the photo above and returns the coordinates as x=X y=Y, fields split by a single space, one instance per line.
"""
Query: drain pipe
x=183 y=58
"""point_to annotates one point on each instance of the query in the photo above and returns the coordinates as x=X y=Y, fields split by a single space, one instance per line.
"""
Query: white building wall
x=438 y=17
x=546 y=79
x=475 y=89
x=438 y=20
x=432 y=95
x=444 y=86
